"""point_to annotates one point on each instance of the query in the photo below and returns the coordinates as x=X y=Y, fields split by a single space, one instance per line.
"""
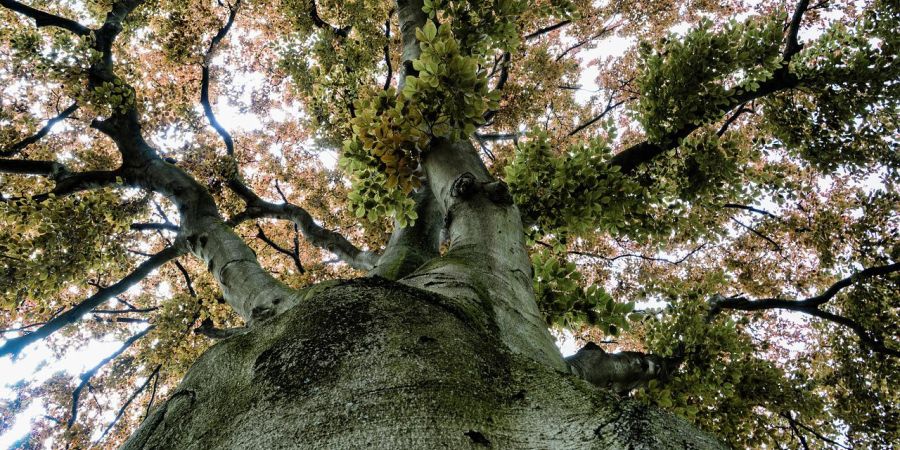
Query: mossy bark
x=375 y=363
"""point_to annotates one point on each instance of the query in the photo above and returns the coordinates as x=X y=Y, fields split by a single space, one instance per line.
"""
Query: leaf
x=430 y=31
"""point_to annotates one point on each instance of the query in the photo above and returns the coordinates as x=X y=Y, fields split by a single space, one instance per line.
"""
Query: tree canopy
x=715 y=183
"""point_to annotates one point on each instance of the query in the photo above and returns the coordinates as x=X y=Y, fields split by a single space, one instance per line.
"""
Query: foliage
x=445 y=100
x=566 y=304
x=691 y=80
x=773 y=175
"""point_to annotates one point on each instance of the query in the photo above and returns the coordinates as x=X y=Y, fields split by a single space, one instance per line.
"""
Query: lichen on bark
x=375 y=363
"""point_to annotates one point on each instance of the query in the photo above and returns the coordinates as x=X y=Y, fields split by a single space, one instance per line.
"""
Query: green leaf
x=430 y=31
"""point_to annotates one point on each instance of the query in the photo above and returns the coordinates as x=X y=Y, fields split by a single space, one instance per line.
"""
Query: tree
x=736 y=167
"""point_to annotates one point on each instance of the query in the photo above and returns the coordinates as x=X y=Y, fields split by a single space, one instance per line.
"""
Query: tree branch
x=756 y=232
x=387 y=52
x=545 y=30
x=86 y=376
x=586 y=40
x=15 y=345
x=504 y=77
x=797 y=432
x=152 y=396
x=207 y=329
x=792 y=46
x=609 y=107
x=32 y=167
x=813 y=432
x=731 y=119
x=321 y=24
x=634 y=156
x=204 y=80
x=19 y=146
x=155 y=227
x=498 y=137
x=644 y=257
x=66 y=182
x=45 y=19
x=751 y=209
x=318 y=236
x=811 y=306
x=295 y=257
x=131 y=398
x=623 y=371
x=124 y=311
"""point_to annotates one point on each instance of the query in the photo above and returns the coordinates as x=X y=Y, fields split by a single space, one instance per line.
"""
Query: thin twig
x=86 y=376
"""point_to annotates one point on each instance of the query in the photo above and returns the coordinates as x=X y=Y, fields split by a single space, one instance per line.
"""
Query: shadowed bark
x=372 y=363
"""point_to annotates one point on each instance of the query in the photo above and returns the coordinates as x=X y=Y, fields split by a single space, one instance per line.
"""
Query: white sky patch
x=566 y=342
x=164 y=290
x=233 y=119
x=35 y=365
x=328 y=158
x=22 y=425
x=681 y=29
x=613 y=46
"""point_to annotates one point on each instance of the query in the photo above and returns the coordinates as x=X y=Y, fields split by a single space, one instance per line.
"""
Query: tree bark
x=375 y=363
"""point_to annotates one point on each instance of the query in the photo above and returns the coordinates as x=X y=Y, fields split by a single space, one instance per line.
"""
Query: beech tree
x=709 y=207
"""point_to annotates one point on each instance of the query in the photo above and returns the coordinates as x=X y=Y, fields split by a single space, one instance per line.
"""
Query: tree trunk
x=381 y=364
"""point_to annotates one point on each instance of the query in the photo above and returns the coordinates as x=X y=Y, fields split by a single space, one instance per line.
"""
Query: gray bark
x=621 y=372
x=410 y=247
x=373 y=363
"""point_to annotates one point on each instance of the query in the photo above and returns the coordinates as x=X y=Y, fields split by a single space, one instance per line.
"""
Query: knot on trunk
x=498 y=192
x=261 y=313
x=464 y=186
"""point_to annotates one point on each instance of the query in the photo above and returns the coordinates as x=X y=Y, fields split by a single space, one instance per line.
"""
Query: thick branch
x=15 y=345
x=45 y=19
x=792 y=46
x=621 y=372
x=547 y=29
x=32 y=167
x=316 y=235
x=865 y=336
x=410 y=16
x=86 y=376
x=411 y=246
x=66 y=182
x=155 y=227
x=19 y=146
x=811 y=305
x=106 y=35
x=495 y=137
x=204 y=81
x=633 y=157
x=207 y=329
x=321 y=24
